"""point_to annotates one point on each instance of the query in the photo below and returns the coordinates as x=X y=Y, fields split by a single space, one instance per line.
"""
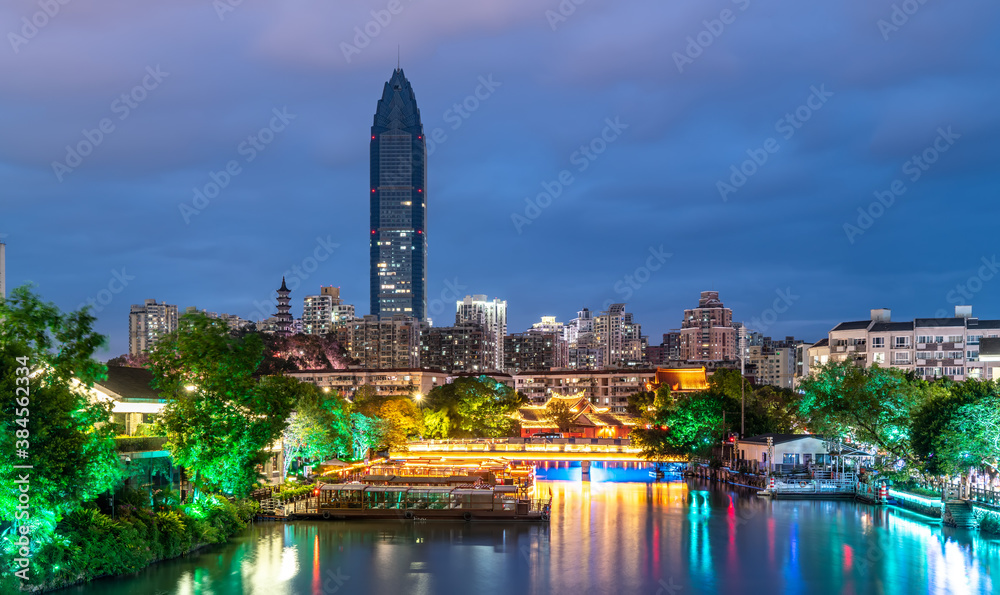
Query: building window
x=878 y=342
x=878 y=358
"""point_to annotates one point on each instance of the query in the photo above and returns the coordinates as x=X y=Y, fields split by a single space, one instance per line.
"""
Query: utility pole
x=743 y=405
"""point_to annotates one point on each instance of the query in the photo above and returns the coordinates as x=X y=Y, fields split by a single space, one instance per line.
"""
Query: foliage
x=127 y=360
x=655 y=443
x=73 y=460
x=89 y=544
x=219 y=419
x=437 y=424
x=300 y=352
x=970 y=436
x=870 y=406
x=477 y=407
x=366 y=434
x=398 y=417
x=319 y=428
x=644 y=404
x=559 y=414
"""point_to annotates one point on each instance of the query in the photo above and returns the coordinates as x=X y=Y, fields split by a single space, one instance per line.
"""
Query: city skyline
x=846 y=124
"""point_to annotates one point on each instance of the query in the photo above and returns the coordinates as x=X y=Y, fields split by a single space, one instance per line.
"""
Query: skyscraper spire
x=398 y=203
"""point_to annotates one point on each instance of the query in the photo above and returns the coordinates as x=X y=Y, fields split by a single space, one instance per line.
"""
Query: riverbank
x=88 y=544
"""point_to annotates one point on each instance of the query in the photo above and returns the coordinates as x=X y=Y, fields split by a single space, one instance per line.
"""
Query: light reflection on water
x=606 y=536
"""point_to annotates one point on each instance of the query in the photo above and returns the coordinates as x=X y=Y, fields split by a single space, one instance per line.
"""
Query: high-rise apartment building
x=321 y=312
x=398 y=195
x=492 y=315
x=619 y=336
x=147 y=323
x=466 y=347
x=707 y=332
x=376 y=343
x=773 y=362
x=534 y=350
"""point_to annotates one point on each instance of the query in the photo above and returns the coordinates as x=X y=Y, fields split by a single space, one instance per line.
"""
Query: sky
x=808 y=161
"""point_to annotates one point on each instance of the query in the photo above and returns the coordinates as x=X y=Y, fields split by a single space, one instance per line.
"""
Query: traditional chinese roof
x=683 y=379
x=586 y=414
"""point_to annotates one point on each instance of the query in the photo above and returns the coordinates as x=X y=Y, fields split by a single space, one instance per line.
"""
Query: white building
x=619 y=336
x=147 y=323
x=930 y=347
x=492 y=315
x=321 y=312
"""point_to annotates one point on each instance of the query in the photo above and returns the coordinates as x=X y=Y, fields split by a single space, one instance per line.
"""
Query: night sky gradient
x=654 y=185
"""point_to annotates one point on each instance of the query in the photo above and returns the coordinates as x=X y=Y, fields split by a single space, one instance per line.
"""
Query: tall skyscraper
x=398 y=233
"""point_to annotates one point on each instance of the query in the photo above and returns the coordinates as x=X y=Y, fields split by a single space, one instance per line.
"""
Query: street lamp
x=418 y=398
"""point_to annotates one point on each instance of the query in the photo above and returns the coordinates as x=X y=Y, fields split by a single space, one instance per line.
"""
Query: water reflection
x=606 y=536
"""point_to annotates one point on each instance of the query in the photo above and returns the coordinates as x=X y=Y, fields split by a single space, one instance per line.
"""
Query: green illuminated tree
x=871 y=406
x=958 y=427
x=477 y=407
x=65 y=436
x=319 y=427
x=219 y=419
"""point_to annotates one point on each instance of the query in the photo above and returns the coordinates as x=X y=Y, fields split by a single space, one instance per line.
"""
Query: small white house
x=791 y=450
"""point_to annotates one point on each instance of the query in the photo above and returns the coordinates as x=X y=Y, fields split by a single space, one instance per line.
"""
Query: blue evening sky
x=833 y=100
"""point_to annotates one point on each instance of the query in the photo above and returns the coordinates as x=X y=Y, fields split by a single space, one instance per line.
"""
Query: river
x=618 y=533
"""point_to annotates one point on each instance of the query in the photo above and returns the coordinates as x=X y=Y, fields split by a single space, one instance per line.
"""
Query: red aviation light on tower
x=373 y=137
x=373 y=232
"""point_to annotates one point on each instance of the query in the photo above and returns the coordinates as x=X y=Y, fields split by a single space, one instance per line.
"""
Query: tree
x=219 y=419
x=319 y=427
x=46 y=370
x=558 y=412
x=300 y=352
x=437 y=423
x=655 y=444
x=477 y=407
x=398 y=417
x=871 y=406
x=958 y=427
x=641 y=404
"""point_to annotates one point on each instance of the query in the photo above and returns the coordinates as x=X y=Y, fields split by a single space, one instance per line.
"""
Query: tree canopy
x=871 y=406
x=319 y=428
x=46 y=369
x=479 y=407
x=219 y=419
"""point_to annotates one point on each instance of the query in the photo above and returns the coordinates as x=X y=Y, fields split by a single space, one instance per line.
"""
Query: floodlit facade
x=398 y=209
x=148 y=322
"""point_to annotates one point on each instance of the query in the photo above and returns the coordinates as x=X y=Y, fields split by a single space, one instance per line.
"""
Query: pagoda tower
x=284 y=314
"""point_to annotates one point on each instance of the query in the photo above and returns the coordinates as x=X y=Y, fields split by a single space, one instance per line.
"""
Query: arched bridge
x=528 y=449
